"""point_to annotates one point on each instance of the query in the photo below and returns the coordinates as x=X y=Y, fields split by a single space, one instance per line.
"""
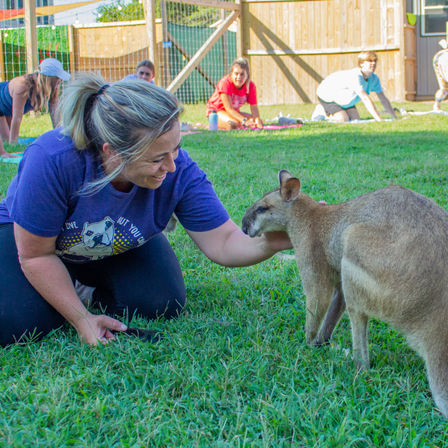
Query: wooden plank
x=225 y=47
x=165 y=63
x=2 y=60
x=321 y=51
x=213 y=4
x=32 y=59
x=149 y=8
x=242 y=28
x=185 y=53
x=200 y=54
x=282 y=1
x=71 y=49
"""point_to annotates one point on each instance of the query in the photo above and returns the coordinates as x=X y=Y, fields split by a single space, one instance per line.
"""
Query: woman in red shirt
x=232 y=92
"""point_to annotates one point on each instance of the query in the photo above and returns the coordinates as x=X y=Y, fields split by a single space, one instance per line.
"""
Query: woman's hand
x=229 y=246
x=93 y=329
x=258 y=123
x=278 y=241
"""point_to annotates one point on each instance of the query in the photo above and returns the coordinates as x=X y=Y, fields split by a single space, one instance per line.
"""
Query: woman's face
x=145 y=73
x=238 y=76
x=150 y=170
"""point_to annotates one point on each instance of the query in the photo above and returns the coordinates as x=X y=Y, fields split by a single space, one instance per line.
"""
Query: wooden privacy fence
x=291 y=46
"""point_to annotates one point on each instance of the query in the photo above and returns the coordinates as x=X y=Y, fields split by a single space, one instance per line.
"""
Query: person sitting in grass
x=36 y=91
x=145 y=71
x=339 y=92
x=89 y=204
x=231 y=93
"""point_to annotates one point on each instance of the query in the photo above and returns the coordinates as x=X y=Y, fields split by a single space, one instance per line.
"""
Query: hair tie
x=102 y=89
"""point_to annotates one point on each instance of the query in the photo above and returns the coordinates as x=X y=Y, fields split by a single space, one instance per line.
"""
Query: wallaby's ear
x=290 y=189
x=283 y=176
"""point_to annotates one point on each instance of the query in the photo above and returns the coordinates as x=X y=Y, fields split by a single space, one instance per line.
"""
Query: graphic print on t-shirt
x=238 y=101
x=98 y=239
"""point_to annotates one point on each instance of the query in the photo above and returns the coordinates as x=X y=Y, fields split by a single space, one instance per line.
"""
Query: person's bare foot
x=9 y=154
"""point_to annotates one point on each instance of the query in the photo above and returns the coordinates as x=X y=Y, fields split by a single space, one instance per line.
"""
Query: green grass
x=234 y=369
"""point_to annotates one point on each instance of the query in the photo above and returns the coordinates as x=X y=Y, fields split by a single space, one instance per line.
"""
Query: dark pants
x=146 y=280
x=333 y=108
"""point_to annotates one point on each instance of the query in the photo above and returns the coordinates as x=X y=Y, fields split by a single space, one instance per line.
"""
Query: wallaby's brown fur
x=382 y=255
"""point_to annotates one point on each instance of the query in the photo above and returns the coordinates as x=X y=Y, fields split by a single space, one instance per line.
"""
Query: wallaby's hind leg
x=360 y=342
x=437 y=368
x=336 y=310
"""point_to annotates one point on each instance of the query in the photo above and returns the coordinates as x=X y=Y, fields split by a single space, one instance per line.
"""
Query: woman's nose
x=169 y=163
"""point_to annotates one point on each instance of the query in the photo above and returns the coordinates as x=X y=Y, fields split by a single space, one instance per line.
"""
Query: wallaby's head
x=269 y=213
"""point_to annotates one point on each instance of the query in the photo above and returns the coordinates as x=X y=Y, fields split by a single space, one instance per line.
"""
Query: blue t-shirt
x=44 y=199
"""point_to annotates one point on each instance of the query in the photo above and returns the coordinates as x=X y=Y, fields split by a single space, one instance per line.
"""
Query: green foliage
x=184 y=14
x=234 y=370
x=120 y=11
x=52 y=41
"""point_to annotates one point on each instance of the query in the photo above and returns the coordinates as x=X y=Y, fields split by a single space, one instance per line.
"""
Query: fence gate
x=195 y=53
x=192 y=42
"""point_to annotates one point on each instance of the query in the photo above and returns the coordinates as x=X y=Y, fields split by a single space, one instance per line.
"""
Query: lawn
x=234 y=369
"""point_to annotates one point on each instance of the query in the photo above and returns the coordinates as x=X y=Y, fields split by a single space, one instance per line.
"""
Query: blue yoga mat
x=25 y=140
x=12 y=159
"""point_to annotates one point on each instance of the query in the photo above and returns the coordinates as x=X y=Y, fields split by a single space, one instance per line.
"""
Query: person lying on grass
x=90 y=202
x=339 y=92
x=231 y=93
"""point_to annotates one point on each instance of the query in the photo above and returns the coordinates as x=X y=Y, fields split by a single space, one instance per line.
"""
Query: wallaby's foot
x=361 y=365
x=319 y=342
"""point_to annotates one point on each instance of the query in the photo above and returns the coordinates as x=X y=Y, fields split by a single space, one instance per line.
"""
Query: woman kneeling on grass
x=36 y=91
x=90 y=202
x=231 y=93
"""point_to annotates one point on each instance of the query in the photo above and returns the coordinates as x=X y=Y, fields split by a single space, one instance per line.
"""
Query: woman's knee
x=23 y=323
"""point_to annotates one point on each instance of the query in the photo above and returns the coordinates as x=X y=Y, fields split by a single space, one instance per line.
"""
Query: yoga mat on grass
x=272 y=127
x=12 y=159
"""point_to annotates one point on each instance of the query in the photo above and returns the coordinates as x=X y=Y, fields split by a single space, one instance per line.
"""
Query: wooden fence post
x=30 y=35
x=71 y=48
x=2 y=60
x=149 y=8
x=240 y=31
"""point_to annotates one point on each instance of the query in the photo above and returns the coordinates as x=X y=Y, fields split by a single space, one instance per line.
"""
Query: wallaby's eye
x=261 y=209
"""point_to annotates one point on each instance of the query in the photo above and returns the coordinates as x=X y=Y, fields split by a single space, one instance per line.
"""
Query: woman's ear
x=108 y=151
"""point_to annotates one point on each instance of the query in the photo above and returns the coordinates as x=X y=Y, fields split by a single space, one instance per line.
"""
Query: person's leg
x=334 y=112
x=352 y=113
x=146 y=280
x=226 y=122
x=4 y=128
x=443 y=88
x=23 y=312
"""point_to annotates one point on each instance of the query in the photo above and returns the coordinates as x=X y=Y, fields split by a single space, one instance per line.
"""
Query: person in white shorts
x=440 y=64
x=339 y=92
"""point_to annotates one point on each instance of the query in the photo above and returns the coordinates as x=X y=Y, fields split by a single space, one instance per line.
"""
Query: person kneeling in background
x=339 y=92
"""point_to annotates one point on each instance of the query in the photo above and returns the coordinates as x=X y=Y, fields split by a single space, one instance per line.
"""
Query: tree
x=180 y=14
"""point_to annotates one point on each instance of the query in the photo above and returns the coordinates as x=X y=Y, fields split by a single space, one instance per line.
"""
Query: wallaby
x=382 y=255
